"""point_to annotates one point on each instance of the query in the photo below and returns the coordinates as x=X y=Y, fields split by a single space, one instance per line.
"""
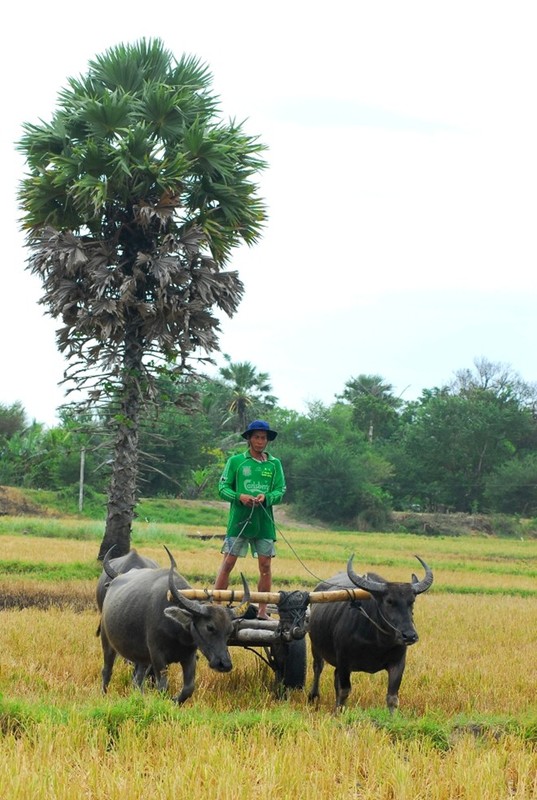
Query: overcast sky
x=402 y=183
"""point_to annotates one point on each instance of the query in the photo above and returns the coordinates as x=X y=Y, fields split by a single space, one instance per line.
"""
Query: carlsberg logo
x=255 y=487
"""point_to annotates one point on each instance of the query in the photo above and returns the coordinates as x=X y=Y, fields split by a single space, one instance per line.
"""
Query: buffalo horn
x=189 y=605
x=108 y=568
x=362 y=581
x=421 y=586
x=240 y=611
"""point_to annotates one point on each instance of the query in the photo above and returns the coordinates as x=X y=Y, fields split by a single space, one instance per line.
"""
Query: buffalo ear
x=179 y=615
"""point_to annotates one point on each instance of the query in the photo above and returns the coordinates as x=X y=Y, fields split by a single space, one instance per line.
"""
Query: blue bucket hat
x=259 y=425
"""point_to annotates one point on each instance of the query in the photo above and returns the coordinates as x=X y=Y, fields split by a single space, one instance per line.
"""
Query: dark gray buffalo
x=366 y=635
x=141 y=624
x=118 y=566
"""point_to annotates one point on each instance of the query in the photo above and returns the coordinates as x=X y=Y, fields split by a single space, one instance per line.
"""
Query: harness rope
x=246 y=521
x=313 y=575
x=292 y=549
x=290 y=546
x=353 y=601
x=372 y=621
x=328 y=583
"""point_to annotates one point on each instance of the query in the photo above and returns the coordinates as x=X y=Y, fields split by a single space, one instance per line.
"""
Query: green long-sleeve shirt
x=245 y=475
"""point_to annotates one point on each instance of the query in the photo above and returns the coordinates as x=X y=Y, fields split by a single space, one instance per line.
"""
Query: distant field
x=466 y=728
x=471 y=564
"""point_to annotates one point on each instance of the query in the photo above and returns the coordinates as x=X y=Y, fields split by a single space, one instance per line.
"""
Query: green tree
x=22 y=455
x=375 y=407
x=39 y=457
x=136 y=196
x=12 y=420
x=332 y=472
x=512 y=487
x=246 y=395
x=87 y=454
x=452 y=443
x=175 y=442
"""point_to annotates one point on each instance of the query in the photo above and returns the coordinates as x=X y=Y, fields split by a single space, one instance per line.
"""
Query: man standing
x=253 y=482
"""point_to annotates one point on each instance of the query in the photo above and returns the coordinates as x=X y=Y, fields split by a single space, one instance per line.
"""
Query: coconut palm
x=136 y=196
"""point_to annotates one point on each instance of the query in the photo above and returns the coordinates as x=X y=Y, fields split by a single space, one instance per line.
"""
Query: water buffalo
x=112 y=567
x=366 y=635
x=118 y=566
x=146 y=620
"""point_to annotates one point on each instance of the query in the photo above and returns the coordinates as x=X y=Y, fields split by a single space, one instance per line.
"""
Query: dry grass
x=475 y=656
x=44 y=550
x=306 y=557
x=364 y=764
x=467 y=726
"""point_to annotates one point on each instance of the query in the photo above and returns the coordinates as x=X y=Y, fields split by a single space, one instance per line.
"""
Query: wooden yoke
x=230 y=596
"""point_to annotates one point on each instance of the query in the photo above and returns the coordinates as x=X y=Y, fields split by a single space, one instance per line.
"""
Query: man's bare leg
x=226 y=567
x=264 y=583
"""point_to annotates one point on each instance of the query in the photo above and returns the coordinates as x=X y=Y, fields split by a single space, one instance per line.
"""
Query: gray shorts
x=238 y=546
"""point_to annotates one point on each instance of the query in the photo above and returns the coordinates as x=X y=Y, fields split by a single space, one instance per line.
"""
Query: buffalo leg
x=159 y=668
x=318 y=664
x=139 y=674
x=395 y=676
x=189 y=679
x=342 y=686
x=109 y=657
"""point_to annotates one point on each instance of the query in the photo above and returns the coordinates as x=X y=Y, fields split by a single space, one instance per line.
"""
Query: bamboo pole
x=230 y=596
x=254 y=637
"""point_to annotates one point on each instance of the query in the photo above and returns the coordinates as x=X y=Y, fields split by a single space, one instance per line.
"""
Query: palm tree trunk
x=122 y=492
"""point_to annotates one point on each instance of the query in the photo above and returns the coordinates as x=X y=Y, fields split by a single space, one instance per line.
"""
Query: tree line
x=469 y=445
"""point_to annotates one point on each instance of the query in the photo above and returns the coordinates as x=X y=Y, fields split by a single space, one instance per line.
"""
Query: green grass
x=50 y=572
x=88 y=530
x=157 y=509
x=141 y=712
x=179 y=513
x=52 y=528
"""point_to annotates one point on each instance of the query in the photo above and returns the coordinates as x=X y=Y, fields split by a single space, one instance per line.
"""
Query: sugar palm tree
x=248 y=392
x=137 y=193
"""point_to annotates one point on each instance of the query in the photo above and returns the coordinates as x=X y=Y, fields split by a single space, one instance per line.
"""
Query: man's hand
x=248 y=500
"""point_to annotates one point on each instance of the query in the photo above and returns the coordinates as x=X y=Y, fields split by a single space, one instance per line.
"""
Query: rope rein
x=372 y=621
x=246 y=521
x=292 y=549
x=328 y=583
x=290 y=546
x=334 y=585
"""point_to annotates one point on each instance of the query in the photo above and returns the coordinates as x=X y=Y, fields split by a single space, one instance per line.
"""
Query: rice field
x=466 y=727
